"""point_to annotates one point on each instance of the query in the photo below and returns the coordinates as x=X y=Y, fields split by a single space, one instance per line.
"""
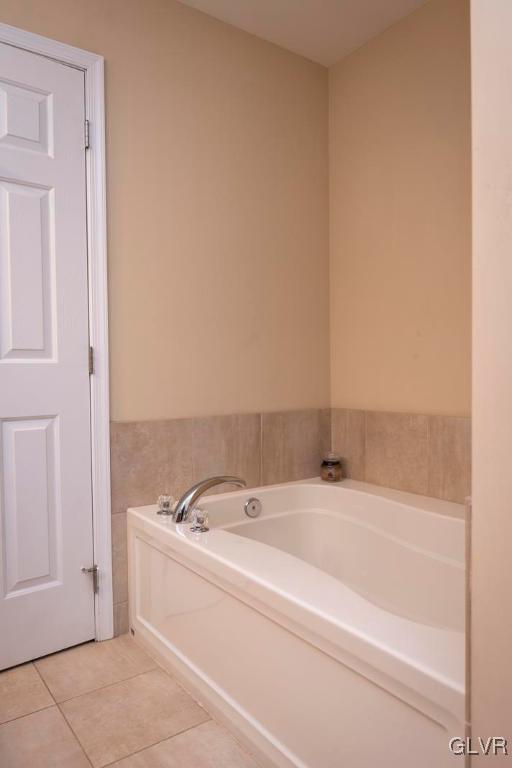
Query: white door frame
x=92 y=66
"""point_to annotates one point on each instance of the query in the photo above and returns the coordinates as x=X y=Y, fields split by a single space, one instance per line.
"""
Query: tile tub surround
x=429 y=455
x=105 y=702
x=152 y=457
x=422 y=454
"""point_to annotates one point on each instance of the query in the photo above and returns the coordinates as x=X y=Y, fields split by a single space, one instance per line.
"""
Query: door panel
x=26 y=213
x=46 y=602
x=26 y=117
x=33 y=545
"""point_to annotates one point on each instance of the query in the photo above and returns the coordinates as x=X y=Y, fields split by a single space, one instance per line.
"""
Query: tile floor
x=107 y=704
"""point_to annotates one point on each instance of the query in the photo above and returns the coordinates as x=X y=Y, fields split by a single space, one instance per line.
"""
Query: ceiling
x=321 y=30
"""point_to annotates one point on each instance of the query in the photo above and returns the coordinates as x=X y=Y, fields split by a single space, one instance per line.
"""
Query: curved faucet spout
x=190 y=498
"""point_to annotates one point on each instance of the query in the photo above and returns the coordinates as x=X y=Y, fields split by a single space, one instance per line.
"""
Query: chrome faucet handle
x=165 y=504
x=199 y=521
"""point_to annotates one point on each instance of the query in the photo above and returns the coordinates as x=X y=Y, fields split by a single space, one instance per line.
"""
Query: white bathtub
x=328 y=632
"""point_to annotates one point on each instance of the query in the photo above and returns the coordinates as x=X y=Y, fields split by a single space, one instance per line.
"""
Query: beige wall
x=400 y=217
x=218 y=212
x=217 y=208
x=491 y=572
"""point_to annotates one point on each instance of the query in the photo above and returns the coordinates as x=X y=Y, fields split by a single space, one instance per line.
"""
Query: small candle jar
x=330 y=469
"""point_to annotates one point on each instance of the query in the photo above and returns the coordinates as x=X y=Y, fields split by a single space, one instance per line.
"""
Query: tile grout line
x=44 y=683
x=107 y=685
x=27 y=714
x=75 y=735
x=160 y=741
x=261 y=450
x=64 y=716
x=101 y=689
x=365 y=439
x=428 y=455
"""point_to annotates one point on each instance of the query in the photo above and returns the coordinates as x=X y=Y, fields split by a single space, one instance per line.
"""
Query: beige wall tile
x=205 y=746
x=348 y=439
x=138 y=463
x=21 y=692
x=121 y=619
x=93 y=665
x=154 y=457
x=449 y=458
x=397 y=451
x=116 y=721
x=227 y=445
x=325 y=430
x=177 y=453
x=119 y=558
x=40 y=740
x=292 y=444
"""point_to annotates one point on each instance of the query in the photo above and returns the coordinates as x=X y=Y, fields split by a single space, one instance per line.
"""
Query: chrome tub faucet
x=188 y=501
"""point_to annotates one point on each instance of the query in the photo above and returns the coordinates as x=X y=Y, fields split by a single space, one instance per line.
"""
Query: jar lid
x=332 y=457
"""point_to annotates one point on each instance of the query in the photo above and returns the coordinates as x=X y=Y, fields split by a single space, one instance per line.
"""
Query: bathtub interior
x=430 y=524
x=405 y=579
x=402 y=552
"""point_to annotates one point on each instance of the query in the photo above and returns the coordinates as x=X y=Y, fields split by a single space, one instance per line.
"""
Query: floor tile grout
x=45 y=684
x=110 y=685
x=160 y=741
x=63 y=715
x=107 y=685
x=27 y=714
x=39 y=709
x=76 y=737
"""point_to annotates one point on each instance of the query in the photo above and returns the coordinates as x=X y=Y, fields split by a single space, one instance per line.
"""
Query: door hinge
x=95 y=577
x=91 y=361
x=87 y=134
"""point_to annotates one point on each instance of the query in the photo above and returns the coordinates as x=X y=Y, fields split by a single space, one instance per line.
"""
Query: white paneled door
x=46 y=602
